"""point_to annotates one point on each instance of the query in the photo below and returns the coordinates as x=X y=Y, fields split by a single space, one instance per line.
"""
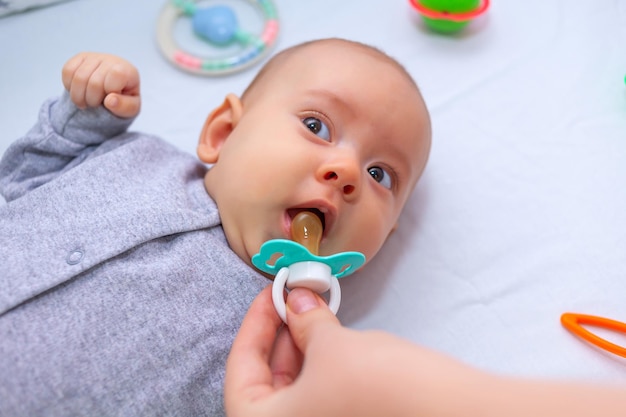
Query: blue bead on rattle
x=218 y=26
x=298 y=265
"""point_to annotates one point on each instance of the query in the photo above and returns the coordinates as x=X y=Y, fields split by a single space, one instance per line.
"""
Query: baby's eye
x=381 y=176
x=318 y=127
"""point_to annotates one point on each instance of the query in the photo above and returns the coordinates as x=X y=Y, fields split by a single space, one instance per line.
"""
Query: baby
x=126 y=263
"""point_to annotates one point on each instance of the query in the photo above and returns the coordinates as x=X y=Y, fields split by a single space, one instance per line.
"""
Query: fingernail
x=301 y=300
x=113 y=101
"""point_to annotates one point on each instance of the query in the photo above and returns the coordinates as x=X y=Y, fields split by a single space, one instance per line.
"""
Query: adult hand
x=318 y=368
x=344 y=372
x=93 y=79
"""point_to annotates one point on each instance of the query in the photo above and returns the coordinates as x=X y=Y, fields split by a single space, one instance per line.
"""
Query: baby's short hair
x=282 y=56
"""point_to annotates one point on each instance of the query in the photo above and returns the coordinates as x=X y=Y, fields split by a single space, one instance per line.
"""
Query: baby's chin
x=245 y=247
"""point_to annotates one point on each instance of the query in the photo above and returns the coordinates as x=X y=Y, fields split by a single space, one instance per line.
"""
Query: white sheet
x=521 y=214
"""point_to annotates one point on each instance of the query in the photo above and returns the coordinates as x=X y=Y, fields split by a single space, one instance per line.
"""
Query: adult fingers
x=287 y=359
x=307 y=314
x=248 y=374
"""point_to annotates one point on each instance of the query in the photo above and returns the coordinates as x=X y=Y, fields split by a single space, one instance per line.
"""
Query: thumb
x=122 y=105
x=307 y=315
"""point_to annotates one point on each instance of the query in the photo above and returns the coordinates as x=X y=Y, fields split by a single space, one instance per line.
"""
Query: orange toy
x=574 y=321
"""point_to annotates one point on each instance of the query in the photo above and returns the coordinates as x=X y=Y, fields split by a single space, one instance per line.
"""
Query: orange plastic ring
x=573 y=322
x=453 y=17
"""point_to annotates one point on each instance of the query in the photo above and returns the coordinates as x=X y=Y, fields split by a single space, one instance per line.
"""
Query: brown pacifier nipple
x=307 y=229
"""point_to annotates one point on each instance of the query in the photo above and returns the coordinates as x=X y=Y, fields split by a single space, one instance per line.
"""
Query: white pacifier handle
x=313 y=275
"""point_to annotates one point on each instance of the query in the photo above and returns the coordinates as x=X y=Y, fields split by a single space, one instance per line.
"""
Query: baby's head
x=332 y=126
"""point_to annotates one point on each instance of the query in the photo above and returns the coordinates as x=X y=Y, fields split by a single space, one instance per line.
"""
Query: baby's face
x=336 y=131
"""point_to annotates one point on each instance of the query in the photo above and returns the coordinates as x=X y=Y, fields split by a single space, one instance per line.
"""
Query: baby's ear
x=217 y=127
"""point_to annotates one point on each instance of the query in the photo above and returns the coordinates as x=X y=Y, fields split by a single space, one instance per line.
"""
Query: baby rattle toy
x=298 y=263
x=448 y=16
x=216 y=24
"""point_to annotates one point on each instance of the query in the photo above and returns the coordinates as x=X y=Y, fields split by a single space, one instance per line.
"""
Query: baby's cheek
x=370 y=242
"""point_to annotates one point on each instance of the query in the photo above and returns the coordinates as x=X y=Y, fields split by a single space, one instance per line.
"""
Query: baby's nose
x=347 y=186
x=344 y=174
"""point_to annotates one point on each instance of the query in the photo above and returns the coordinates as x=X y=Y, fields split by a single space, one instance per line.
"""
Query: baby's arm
x=101 y=101
x=93 y=79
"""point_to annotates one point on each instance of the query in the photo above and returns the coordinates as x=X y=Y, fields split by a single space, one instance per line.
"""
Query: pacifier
x=297 y=264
